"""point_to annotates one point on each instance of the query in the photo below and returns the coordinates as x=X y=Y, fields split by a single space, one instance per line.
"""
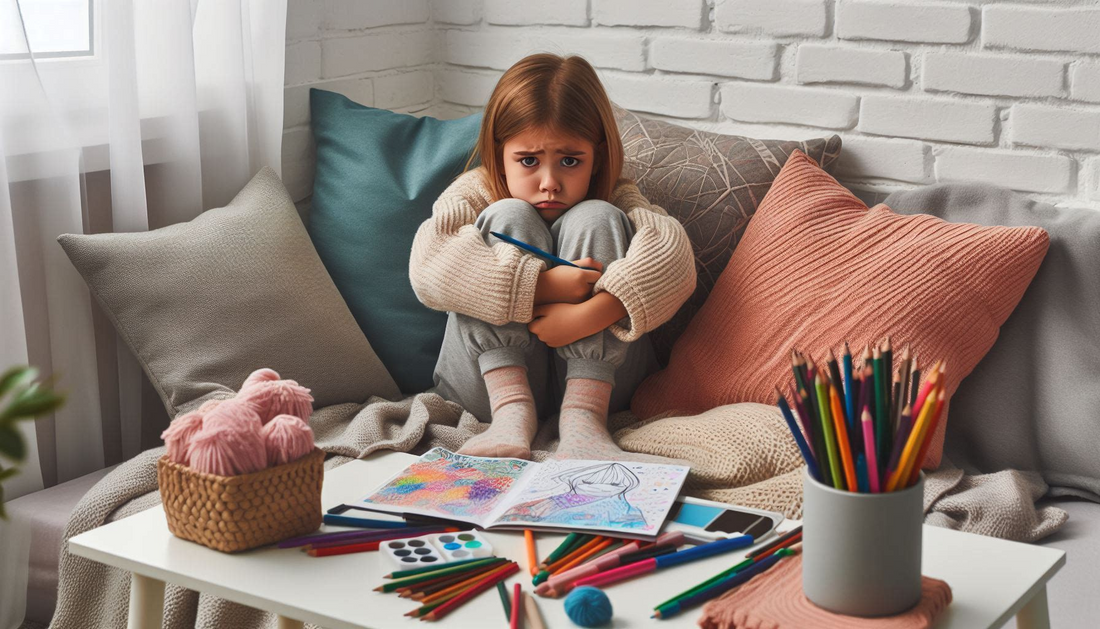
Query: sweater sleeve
x=657 y=275
x=452 y=268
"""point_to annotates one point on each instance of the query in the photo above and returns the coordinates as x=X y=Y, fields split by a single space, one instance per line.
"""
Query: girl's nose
x=549 y=183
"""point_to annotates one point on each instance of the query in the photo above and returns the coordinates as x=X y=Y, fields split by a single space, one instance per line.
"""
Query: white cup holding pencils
x=862 y=551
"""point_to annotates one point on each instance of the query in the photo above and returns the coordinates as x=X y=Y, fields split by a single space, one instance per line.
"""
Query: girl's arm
x=451 y=268
x=657 y=275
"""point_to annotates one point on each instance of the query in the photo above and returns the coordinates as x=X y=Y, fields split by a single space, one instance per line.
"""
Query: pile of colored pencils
x=358 y=541
x=756 y=562
x=579 y=555
x=442 y=589
x=869 y=430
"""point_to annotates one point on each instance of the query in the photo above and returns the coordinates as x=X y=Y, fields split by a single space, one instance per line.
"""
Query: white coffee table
x=991 y=579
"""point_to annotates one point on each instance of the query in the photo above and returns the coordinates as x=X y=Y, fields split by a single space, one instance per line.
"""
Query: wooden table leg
x=1035 y=614
x=287 y=623
x=146 y=602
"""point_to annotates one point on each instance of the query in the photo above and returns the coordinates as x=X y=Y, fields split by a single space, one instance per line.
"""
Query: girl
x=551 y=160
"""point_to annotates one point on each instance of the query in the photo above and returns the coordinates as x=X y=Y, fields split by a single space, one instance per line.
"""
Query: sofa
x=1072 y=593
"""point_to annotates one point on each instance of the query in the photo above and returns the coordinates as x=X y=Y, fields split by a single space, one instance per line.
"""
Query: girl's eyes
x=573 y=161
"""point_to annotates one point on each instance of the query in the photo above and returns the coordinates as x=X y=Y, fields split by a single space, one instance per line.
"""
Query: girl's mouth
x=550 y=205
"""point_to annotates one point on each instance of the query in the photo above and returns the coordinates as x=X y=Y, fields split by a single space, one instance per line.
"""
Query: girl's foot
x=583 y=425
x=514 y=418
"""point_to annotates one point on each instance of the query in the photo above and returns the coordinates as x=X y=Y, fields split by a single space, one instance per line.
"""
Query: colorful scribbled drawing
x=453 y=484
x=591 y=496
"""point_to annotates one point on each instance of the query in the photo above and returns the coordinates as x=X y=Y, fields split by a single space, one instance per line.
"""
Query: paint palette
x=437 y=549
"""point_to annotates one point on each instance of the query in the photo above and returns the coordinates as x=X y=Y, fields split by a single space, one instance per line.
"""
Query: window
x=54 y=28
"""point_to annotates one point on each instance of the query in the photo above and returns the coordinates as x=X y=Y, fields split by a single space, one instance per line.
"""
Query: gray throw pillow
x=710 y=182
x=1033 y=402
x=204 y=303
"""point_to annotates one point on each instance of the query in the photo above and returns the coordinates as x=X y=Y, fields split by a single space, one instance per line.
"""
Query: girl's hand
x=567 y=284
x=560 y=324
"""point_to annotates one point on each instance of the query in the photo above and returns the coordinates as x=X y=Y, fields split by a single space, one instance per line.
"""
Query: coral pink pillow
x=816 y=267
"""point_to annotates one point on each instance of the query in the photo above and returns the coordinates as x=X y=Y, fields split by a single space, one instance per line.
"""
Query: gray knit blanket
x=739 y=453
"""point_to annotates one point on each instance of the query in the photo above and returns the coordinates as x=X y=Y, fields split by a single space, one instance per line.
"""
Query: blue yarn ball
x=588 y=606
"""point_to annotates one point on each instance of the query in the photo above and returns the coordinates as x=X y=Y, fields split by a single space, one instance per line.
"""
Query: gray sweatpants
x=472 y=347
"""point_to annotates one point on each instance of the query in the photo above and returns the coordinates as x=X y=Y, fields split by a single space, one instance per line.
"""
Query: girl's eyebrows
x=565 y=151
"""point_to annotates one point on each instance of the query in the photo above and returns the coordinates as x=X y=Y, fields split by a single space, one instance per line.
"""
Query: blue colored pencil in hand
x=539 y=252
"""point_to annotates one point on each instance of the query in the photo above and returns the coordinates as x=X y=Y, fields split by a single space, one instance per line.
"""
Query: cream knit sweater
x=451 y=268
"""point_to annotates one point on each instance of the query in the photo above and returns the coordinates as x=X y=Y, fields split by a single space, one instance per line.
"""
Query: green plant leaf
x=8 y=473
x=16 y=377
x=32 y=402
x=11 y=443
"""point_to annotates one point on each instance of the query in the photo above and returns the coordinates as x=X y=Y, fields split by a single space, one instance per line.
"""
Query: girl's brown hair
x=558 y=94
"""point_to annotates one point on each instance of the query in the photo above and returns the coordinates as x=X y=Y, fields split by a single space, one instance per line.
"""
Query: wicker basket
x=235 y=513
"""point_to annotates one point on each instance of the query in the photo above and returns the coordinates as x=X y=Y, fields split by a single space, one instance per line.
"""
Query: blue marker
x=539 y=252
x=703 y=551
x=362 y=523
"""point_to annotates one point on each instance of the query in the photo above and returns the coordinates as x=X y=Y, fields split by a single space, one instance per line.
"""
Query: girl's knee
x=594 y=214
x=507 y=210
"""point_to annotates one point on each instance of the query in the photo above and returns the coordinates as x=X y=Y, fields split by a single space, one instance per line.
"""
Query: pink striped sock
x=514 y=417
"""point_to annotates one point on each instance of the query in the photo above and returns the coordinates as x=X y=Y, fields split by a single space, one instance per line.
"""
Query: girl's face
x=548 y=170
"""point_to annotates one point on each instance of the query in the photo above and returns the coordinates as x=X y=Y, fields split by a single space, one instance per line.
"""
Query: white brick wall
x=1003 y=91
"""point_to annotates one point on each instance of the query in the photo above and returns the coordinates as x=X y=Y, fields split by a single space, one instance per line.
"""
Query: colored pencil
x=861 y=474
x=423 y=590
x=390 y=535
x=563 y=582
x=880 y=405
x=926 y=388
x=504 y=602
x=361 y=523
x=843 y=445
x=429 y=603
x=888 y=371
x=869 y=450
x=927 y=443
x=646 y=553
x=799 y=440
x=412 y=572
x=834 y=373
x=849 y=392
x=489 y=582
x=585 y=556
x=440 y=593
x=590 y=544
x=915 y=377
x=702 y=551
x=778 y=542
x=720 y=587
x=361 y=536
x=832 y=456
x=797 y=365
x=905 y=425
x=534 y=616
x=893 y=411
x=517 y=606
x=532 y=556
x=427 y=576
x=903 y=375
x=619 y=574
x=804 y=419
x=912 y=445
x=565 y=545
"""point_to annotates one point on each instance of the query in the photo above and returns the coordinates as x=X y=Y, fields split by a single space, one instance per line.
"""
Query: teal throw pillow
x=378 y=174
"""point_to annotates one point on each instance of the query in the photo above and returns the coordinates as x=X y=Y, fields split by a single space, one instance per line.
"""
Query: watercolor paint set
x=438 y=549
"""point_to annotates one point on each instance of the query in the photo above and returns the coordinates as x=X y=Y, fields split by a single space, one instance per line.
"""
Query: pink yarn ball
x=260 y=375
x=230 y=442
x=179 y=434
x=278 y=397
x=287 y=438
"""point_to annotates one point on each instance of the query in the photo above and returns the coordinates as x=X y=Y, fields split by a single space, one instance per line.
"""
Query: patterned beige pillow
x=712 y=183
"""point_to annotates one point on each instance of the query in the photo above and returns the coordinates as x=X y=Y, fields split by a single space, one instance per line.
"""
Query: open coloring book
x=624 y=499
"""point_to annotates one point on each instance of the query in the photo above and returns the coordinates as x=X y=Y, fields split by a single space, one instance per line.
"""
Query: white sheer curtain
x=170 y=109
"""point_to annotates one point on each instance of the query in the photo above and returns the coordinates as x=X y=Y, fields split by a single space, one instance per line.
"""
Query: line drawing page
x=626 y=496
